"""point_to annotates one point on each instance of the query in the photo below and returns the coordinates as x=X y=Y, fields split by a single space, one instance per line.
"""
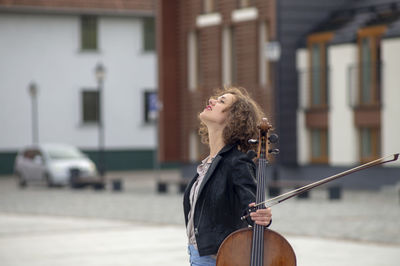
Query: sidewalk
x=47 y=241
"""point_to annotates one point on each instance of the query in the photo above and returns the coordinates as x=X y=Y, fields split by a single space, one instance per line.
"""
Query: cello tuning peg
x=273 y=151
x=273 y=138
x=253 y=141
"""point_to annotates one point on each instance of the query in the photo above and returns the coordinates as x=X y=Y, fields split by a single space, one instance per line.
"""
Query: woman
x=225 y=184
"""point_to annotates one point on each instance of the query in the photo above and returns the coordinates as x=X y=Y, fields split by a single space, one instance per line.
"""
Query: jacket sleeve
x=244 y=182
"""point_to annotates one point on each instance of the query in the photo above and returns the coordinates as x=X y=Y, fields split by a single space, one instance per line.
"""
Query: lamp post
x=100 y=74
x=33 y=91
x=272 y=51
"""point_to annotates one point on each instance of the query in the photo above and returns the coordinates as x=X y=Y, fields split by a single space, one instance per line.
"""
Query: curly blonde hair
x=243 y=117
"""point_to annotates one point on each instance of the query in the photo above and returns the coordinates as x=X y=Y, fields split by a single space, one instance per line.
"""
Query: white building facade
x=349 y=91
x=58 y=52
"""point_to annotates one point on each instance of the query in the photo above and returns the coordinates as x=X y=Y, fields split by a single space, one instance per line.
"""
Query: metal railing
x=365 y=85
x=313 y=88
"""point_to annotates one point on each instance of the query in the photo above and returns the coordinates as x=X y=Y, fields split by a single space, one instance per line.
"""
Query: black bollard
x=335 y=192
x=161 y=187
x=304 y=195
x=117 y=185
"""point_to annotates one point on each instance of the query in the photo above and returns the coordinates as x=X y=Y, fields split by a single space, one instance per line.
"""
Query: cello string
x=263 y=198
x=258 y=233
x=260 y=228
x=256 y=236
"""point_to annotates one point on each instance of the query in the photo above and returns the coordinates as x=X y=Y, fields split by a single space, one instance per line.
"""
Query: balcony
x=365 y=93
x=313 y=96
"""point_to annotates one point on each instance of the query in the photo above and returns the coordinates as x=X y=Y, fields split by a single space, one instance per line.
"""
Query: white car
x=56 y=164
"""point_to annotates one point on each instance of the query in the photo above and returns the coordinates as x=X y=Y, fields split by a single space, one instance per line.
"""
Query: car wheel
x=73 y=183
x=21 y=181
x=49 y=180
x=99 y=186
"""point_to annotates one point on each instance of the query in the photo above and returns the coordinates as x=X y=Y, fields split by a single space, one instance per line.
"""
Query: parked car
x=56 y=164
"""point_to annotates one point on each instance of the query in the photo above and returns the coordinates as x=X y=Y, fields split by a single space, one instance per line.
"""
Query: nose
x=211 y=101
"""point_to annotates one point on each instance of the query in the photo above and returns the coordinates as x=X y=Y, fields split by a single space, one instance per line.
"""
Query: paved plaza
x=47 y=241
x=138 y=226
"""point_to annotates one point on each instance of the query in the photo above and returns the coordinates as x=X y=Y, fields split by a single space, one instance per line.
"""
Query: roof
x=348 y=32
x=115 y=7
x=346 y=22
x=393 y=30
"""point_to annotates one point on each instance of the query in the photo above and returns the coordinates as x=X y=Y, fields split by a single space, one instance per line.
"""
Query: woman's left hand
x=261 y=216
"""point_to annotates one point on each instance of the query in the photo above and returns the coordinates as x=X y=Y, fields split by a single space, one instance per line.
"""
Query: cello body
x=235 y=250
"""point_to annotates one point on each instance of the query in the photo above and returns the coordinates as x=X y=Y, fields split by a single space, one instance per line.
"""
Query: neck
x=216 y=141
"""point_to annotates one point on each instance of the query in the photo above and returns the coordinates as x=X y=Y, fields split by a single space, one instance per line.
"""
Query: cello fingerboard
x=257 y=250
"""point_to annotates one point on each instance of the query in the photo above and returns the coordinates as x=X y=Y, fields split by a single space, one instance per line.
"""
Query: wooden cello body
x=237 y=249
x=257 y=246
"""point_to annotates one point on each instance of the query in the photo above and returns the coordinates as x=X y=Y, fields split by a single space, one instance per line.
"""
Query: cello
x=257 y=246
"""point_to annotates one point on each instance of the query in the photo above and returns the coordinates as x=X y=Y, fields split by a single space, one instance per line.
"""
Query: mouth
x=208 y=107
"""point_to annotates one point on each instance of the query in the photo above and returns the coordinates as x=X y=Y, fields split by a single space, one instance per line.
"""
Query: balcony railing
x=365 y=85
x=313 y=88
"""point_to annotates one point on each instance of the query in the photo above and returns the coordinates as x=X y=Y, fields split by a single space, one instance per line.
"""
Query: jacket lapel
x=213 y=166
x=210 y=171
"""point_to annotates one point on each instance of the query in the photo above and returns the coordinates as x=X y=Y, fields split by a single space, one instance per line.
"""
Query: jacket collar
x=227 y=147
x=214 y=165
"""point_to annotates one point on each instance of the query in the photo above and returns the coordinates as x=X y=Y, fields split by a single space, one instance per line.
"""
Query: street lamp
x=100 y=74
x=272 y=51
x=33 y=92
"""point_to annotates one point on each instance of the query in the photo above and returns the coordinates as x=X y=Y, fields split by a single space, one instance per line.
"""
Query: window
x=226 y=55
x=317 y=45
x=31 y=153
x=233 y=57
x=369 y=144
x=263 y=63
x=319 y=146
x=150 y=106
x=369 y=43
x=89 y=33
x=200 y=60
x=208 y=6
x=194 y=144
x=192 y=61
x=316 y=73
x=244 y=3
x=149 y=37
x=365 y=90
x=90 y=106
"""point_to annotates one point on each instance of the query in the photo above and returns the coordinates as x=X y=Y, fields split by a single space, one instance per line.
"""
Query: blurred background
x=98 y=113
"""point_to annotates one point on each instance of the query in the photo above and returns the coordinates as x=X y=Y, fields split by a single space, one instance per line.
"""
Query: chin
x=201 y=116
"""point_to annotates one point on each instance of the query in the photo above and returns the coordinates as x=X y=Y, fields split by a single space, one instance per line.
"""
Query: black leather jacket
x=224 y=195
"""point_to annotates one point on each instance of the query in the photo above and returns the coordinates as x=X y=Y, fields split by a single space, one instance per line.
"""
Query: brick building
x=207 y=44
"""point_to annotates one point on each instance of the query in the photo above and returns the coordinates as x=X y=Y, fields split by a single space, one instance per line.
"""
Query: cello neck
x=257 y=249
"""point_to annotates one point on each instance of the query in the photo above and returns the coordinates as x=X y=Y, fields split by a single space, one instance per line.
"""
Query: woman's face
x=216 y=111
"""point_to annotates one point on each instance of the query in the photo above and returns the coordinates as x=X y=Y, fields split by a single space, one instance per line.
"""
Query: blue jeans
x=196 y=260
